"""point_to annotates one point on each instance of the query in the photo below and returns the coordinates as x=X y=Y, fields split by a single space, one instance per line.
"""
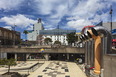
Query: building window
x=3 y=34
x=8 y=35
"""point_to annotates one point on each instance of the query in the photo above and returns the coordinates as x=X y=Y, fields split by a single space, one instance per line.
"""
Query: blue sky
x=70 y=14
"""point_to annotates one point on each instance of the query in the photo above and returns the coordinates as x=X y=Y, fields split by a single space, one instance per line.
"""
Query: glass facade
x=56 y=32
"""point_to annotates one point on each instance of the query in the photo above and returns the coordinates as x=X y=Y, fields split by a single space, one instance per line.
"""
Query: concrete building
x=108 y=25
x=57 y=34
x=31 y=36
x=9 y=37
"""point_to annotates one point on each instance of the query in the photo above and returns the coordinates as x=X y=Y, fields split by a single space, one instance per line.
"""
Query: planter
x=12 y=74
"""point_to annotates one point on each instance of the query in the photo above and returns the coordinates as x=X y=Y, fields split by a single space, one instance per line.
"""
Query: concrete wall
x=109 y=65
x=46 y=50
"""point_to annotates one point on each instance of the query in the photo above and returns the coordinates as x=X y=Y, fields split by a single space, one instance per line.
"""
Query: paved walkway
x=58 y=69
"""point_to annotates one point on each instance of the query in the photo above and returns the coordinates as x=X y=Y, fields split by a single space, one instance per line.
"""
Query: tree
x=76 y=38
x=47 y=40
x=8 y=62
x=57 y=42
x=71 y=38
x=25 y=32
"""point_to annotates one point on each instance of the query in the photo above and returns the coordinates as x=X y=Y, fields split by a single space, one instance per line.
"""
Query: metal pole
x=14 y=34
x=111 y=18
x=111 y=23
x=37 y=35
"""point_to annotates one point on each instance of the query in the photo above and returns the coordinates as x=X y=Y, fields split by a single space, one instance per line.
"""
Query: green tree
x=25 y=32
x=10 y=62
x=71 y=38
x=57 y=42
x=47 y=40
x=76 y=38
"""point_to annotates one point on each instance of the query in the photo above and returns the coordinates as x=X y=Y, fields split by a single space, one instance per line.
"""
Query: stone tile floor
x=58 y=69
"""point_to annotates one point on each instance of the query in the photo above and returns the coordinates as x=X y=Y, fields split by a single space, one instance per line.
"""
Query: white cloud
x=55 y=9
x=30 y=28
x=8 y=27
x=10 y=4
x=78 y=24
x=20 y=20
x=79 y=12
x=85 y=13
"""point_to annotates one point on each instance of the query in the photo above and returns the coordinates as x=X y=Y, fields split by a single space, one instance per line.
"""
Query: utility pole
x=111 y=18
x=14 y=33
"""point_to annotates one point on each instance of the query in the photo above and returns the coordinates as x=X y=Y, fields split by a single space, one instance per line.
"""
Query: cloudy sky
x=70 y=14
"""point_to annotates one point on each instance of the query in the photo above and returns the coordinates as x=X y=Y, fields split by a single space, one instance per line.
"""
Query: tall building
x=57 y=35
x=31 y=36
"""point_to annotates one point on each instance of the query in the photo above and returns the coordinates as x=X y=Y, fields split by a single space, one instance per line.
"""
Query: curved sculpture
x=97 y=33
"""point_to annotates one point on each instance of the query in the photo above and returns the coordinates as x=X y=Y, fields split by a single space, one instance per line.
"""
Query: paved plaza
x=22 y=67
x=58 y=69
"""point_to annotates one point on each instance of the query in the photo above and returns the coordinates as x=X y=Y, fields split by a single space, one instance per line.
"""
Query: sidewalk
x=58 y=69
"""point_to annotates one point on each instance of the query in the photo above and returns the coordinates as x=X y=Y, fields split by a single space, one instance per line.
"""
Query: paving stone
x=44 y=70
x=66 y=70
x=56 y=66
x=39 y=76
x=67 y=76
x=53 y=76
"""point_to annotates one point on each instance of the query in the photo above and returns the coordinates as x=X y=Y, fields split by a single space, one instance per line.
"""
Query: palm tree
x=25 y=32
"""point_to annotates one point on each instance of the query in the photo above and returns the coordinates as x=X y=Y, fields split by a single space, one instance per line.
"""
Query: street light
x=14 y=34
x=111 y=18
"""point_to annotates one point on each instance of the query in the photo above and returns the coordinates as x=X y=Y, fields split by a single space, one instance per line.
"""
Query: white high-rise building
x=31 y=36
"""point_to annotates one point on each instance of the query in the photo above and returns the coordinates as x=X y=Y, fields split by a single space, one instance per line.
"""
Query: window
x=8 y=35
x=2 y=33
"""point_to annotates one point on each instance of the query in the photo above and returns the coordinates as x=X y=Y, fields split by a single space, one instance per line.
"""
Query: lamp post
x=111 y=18
x=14 y=34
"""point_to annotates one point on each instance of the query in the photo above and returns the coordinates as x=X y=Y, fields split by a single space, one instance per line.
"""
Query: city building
x=108 y=25
x=31 y=36
x=56 y=34
x=9 y=37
